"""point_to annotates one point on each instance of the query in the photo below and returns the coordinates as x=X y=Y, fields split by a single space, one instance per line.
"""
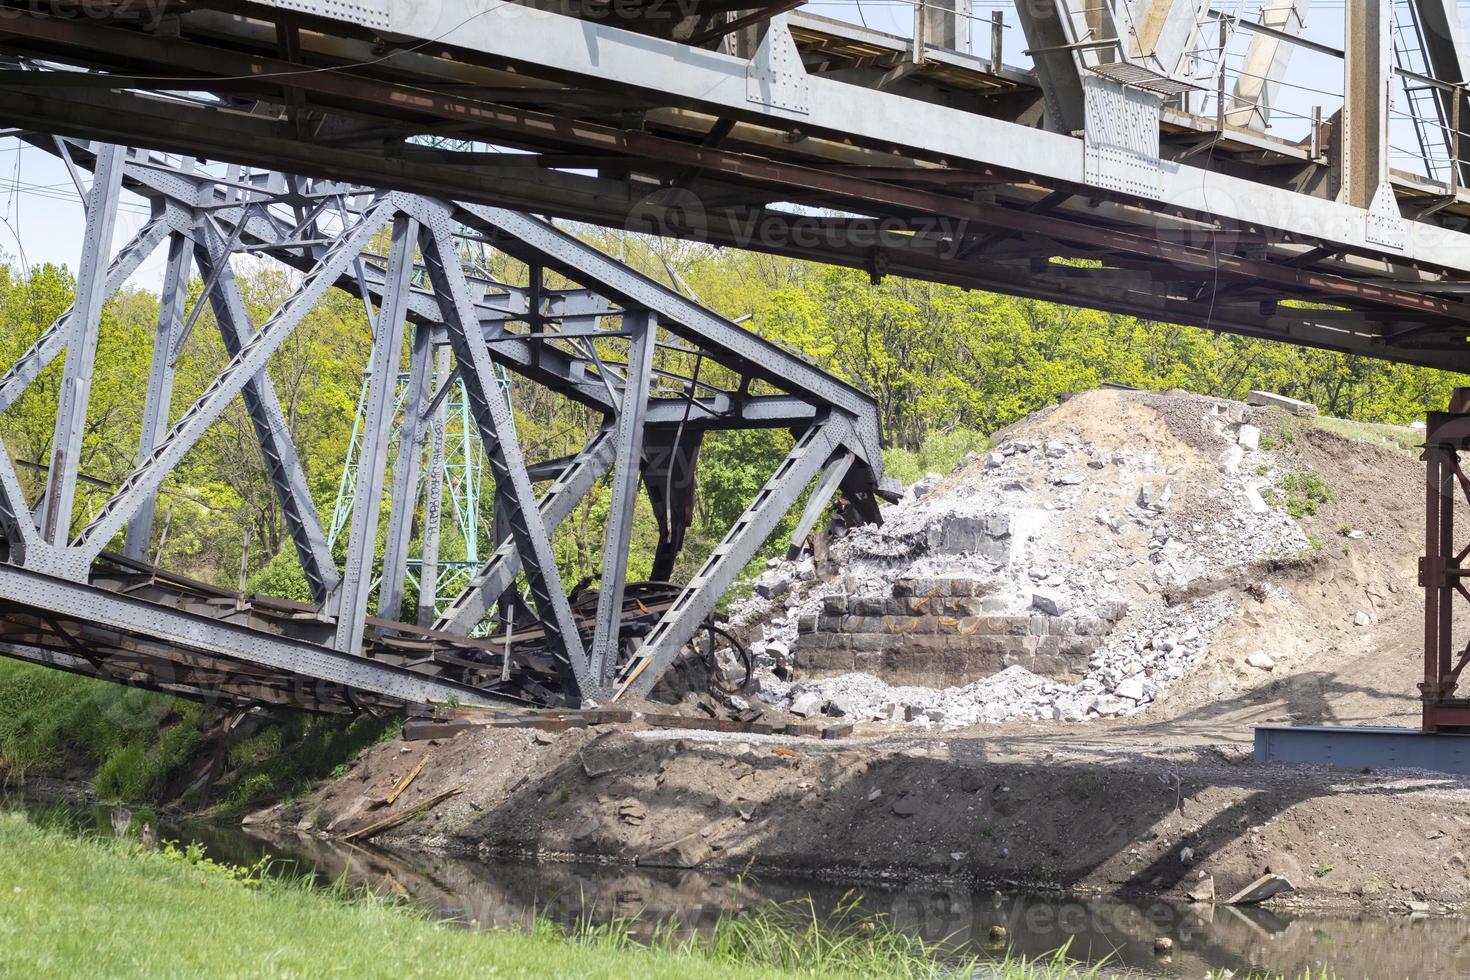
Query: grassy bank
x=139 y=747
x=73 y=906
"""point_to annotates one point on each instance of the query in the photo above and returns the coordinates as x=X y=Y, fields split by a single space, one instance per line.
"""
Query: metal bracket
x=1121 y=138
x=1385 y=223
x=776 y=77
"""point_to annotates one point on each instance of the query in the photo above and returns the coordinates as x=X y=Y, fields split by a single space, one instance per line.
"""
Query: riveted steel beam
x=746 y=535
x=282 y=464
x=229 y=383
x=628 y=453
x=560 y=499
x=362 y=539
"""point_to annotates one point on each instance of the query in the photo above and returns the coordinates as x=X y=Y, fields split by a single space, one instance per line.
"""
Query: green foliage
x=944 y=365
x=139 y=772
x=940 y=452
x=158 y=901
x=49 y=719
x=174 y=912
x=139 y=742
x=1302 y=493
x=288 y=755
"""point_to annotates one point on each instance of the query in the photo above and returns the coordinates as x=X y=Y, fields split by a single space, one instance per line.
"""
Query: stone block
x=900 y=625
x=871 y=643
x=1004 y=625
x=920 y=605
x=866 y=607
x=1262 y=399
x=861 y=624
x=816 y=662
x=834 y=605
x=946 y=625
x=806 y=624
x=1049 y=602
x=828 y=623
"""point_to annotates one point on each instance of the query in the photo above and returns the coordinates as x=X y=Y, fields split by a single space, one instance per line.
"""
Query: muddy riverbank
x=1117 y=810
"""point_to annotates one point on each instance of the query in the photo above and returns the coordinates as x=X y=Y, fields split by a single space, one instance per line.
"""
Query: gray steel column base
x=1364 y=748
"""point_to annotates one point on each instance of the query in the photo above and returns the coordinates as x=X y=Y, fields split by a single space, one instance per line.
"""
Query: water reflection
x=507 y=894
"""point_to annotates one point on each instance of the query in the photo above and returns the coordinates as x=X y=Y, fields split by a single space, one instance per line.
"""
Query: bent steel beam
x=745 y=536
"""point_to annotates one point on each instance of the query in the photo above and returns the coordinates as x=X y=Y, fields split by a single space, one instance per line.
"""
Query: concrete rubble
x=1073 y=572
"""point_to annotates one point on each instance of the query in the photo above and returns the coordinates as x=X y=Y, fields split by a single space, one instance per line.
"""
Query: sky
x=41 y=214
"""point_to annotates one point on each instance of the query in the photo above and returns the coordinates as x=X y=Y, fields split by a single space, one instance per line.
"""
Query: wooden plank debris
x=398 y=818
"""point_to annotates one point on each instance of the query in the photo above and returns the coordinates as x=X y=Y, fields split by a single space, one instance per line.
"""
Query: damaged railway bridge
x=78 y=592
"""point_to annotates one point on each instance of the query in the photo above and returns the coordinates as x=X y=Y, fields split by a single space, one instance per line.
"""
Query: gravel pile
x=1163 y=503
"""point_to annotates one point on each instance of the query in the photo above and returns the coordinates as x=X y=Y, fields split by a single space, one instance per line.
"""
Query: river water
x=507 y=894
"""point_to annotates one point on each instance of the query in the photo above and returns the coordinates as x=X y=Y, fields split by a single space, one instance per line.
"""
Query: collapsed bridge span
x=77 y=591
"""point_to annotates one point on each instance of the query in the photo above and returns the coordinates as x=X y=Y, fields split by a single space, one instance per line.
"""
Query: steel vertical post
x=81 y=345
x=434 y=495
x=362 y=537
x=503 y=450
x=628 y=455
x=404 y=500
x=156 y=405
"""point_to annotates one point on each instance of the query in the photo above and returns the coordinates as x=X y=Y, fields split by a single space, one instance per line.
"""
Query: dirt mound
x=1118 y=545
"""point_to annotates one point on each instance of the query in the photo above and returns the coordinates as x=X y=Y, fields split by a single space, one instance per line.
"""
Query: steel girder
x=955 y=148
x=551 y=333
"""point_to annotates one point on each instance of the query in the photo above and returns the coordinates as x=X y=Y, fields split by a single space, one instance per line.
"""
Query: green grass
x=138 y=743
x=87 y=906
x=49 y=719
x=1301 y=493
x=1400 y=438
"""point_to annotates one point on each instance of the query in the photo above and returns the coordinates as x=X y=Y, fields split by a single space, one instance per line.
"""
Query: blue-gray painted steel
x=1364 y=748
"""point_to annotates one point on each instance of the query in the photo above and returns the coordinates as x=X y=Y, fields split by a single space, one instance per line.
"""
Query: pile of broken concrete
x=1073 y=572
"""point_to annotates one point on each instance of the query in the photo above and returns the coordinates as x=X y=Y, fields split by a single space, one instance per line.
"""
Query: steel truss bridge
x=1169 y=159
x=583 y=325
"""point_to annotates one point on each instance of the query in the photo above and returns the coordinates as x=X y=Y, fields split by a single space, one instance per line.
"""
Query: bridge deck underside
x=651 y=134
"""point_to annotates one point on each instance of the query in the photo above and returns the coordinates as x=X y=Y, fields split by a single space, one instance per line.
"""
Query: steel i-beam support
x=472 y=605
x=228 y=384
x=832 y=477
x=629 y=454
x=1367 y=73
x=81 y=346
x=1441 y=571
x=434 y=493
x=404 y=499
x=263 y=405
x=362 y=540
x=156 y=405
